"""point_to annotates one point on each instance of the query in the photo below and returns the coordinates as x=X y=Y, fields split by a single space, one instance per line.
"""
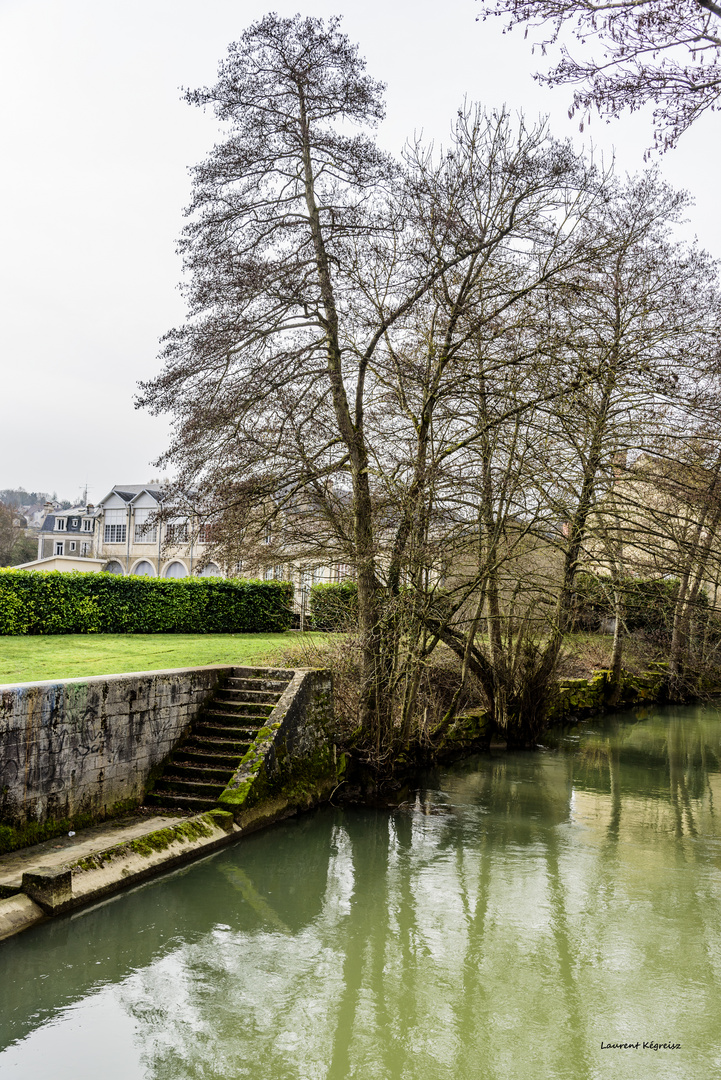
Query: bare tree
x=664 y=52
x=313 y=261
x=624 y=338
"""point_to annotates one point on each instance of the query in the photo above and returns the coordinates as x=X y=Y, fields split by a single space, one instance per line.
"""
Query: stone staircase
x=198 y=770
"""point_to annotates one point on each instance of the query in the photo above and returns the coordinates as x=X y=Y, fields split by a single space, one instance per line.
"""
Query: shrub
x=649 y=603
x=334 y=607
x=35 y=602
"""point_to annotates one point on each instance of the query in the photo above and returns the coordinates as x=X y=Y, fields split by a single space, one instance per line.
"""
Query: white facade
x=131 y=542
x=120 y=536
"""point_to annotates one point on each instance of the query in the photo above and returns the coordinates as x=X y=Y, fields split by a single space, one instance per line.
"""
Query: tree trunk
x=617 y=654
x=352 y=433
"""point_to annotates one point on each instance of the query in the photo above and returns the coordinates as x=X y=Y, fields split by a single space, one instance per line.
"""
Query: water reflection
x=548 y=903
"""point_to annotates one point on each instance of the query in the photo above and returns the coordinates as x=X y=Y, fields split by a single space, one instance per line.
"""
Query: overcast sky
x=96 y=143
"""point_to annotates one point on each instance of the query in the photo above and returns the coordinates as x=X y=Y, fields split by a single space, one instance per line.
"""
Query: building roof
x=57 y=562
x=129 y=492
x=78 y=512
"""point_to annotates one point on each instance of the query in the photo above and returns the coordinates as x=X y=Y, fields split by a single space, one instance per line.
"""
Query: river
x=518 y=914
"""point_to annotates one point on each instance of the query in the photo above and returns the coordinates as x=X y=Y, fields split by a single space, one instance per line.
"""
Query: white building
x=120 y=535
x=131 y=542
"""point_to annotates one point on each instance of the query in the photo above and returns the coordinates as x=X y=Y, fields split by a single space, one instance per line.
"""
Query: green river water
x=517 y=914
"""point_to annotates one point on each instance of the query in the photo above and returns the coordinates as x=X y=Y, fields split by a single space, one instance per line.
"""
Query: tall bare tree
x=624 y=339
x=15 y=547
x=313 y=259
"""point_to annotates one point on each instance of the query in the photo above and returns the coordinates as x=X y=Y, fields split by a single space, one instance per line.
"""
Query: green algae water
x=521 y=916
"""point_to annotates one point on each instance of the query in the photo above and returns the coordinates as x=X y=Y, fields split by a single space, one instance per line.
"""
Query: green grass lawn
x=62 y=656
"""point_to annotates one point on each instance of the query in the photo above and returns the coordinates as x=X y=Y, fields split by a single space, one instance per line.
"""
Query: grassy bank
x=64 y=656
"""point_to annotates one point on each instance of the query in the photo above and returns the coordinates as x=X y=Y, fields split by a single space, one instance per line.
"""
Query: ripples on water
x=524 y=910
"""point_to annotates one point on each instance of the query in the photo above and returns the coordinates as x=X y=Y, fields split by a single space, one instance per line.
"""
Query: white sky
x=95 y=144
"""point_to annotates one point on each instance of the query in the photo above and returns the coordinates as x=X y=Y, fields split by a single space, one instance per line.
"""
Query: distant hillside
x=20 y=497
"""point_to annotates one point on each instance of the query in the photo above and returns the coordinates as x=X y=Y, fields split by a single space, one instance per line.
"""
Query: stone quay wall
x=88 y=746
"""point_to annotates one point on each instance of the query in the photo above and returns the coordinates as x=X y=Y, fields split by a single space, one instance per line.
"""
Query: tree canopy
x=629 y=53
x=423 y=367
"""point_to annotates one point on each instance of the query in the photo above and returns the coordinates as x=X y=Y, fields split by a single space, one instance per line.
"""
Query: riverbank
x=576 y=699
x=85 y=865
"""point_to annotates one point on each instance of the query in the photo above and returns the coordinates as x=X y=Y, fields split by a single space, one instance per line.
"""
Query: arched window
x=112 y=568
x=175 y=570
x=211 y=570
x=144 y=569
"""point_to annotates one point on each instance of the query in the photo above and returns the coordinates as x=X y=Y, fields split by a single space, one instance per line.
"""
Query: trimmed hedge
x=335 y=606
x=37 y=602
x=649 y=603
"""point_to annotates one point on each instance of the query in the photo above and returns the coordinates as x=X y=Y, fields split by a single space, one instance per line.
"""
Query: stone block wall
x=294 y=757
x=88 y=746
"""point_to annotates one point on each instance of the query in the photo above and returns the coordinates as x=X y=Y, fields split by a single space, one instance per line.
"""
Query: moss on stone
x=236 y=796
x=161 y=839
x=93 y=862
x=15 y=837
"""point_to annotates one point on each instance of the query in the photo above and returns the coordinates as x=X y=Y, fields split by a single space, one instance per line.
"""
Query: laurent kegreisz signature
x=640 y=1046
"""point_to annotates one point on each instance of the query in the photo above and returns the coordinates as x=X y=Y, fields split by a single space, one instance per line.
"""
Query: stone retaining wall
x=88 y=746
x=293 y=758
x=576 y=700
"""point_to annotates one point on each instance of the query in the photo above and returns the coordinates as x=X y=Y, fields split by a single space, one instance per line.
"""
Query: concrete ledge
x=52 y=890
x=146 y=856
x=18 y=913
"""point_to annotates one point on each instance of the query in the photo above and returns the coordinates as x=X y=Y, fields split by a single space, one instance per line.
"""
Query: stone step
x=276 y=686
x=230 y=719
x=204 y=759
x=280 y=675
x=249 y=692
x=182 y=802
x=178 y=770
x=215 y=745
x=246 y=697
x=226 y=730
x=198 y=770
x=168 y=784
x=225 y=704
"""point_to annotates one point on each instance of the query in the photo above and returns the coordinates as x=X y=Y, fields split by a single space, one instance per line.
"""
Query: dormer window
x=75 y=523
x=60 y=524
x=87 y=525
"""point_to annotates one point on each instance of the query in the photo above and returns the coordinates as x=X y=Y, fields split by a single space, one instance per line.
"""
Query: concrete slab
x=69 y=849
x=18 y=913
x=57 y=877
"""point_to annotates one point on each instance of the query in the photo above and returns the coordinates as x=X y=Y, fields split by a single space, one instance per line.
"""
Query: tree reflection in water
x=546 y=902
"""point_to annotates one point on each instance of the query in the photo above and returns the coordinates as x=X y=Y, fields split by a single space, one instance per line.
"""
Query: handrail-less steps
x=198 y=770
